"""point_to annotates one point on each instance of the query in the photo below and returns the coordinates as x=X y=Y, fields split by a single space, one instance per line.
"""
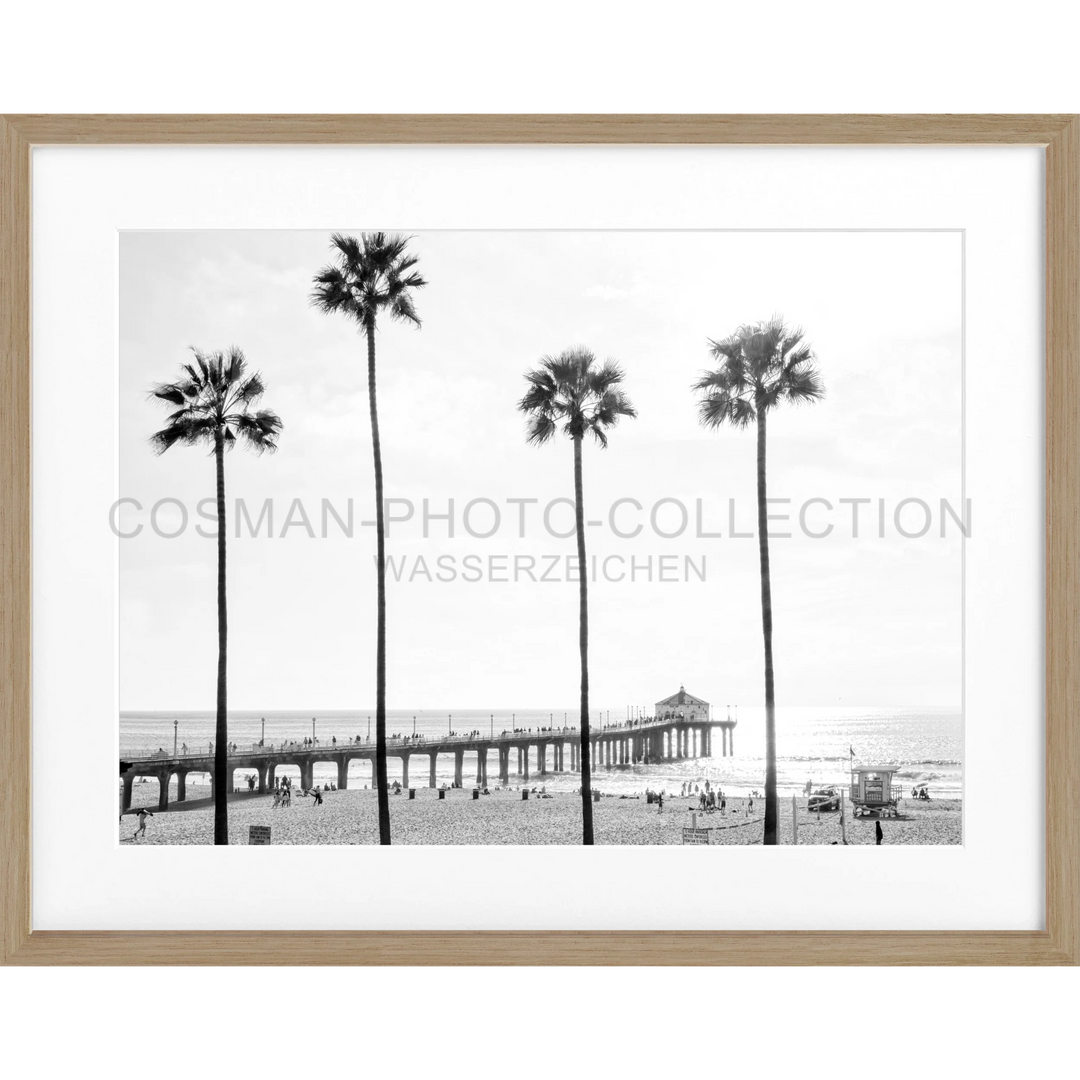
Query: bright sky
x=858 y=620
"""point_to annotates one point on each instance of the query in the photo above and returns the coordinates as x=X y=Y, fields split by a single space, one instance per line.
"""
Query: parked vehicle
x=825 y=800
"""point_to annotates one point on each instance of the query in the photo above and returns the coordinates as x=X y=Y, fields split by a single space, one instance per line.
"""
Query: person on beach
x=878 y=833
x=660 y=803
x=277 y=797
x=318 y=798
x=750 y=805
x=141 y=830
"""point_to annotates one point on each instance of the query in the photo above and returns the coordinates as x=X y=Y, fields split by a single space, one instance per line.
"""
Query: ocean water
x=813 y=743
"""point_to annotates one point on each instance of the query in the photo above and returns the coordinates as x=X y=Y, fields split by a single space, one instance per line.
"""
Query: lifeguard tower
x=872 y=790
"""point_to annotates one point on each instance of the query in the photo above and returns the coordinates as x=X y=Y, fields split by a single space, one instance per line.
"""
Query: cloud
x=615 y=292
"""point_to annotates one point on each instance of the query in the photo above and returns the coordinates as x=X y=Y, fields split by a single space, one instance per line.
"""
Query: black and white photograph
x=542 y=537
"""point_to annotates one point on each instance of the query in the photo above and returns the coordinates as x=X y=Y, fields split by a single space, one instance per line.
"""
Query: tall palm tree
x=370 y=276
x=758 y=367
x=214 y=400
x=573 y=392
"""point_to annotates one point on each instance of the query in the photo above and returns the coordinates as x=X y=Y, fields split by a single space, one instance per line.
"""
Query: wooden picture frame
x=1059 y=943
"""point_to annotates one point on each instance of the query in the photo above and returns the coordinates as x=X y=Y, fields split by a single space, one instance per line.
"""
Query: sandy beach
x=349 y=817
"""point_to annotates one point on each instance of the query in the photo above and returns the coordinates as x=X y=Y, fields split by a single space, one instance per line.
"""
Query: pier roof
x=682 y=698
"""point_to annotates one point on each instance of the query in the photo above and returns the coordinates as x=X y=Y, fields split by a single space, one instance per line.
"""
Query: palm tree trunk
x=771 y=806
x=583 y=593
x=380 y=632
x=221 y=744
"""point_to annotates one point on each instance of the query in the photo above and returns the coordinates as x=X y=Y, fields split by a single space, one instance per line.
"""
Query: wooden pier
x=612 y=746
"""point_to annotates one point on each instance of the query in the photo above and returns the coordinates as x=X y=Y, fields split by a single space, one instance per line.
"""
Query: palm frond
x=331 y=292
x=804 y=385
x=542 y=376
x=162 y=440
x=800 y=353
x=250 y=389
x=767 y=397
x=234 y=364
x=371 y=274
x=726 y=380
x=204 y=367
x=611 y=405
x=188 y=430
x=214 y=403
x=384 y=250
x=260 y=430
x=401 y=308
x=596 y=429
x=572 y=390
x=352 y=254
x=170 y=392
x=216 y=362
x=601 y=379
x=733 y=371
x=576 y=423
x=758 y=366
x=569 y=371
x=793 y=345
x=539 y=429
x=538 y=398
x=404 y=262
x=721 y=408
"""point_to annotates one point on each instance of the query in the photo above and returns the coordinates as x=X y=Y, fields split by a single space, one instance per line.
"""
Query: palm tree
x=573 y=392
x=758 y=367
x=214 y=399
x=373 y=275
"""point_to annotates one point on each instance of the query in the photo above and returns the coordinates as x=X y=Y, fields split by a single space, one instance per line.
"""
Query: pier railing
x=420 y=742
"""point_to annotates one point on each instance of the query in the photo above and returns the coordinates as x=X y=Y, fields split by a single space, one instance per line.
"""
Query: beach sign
x=695 y=836
x=258 y=834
